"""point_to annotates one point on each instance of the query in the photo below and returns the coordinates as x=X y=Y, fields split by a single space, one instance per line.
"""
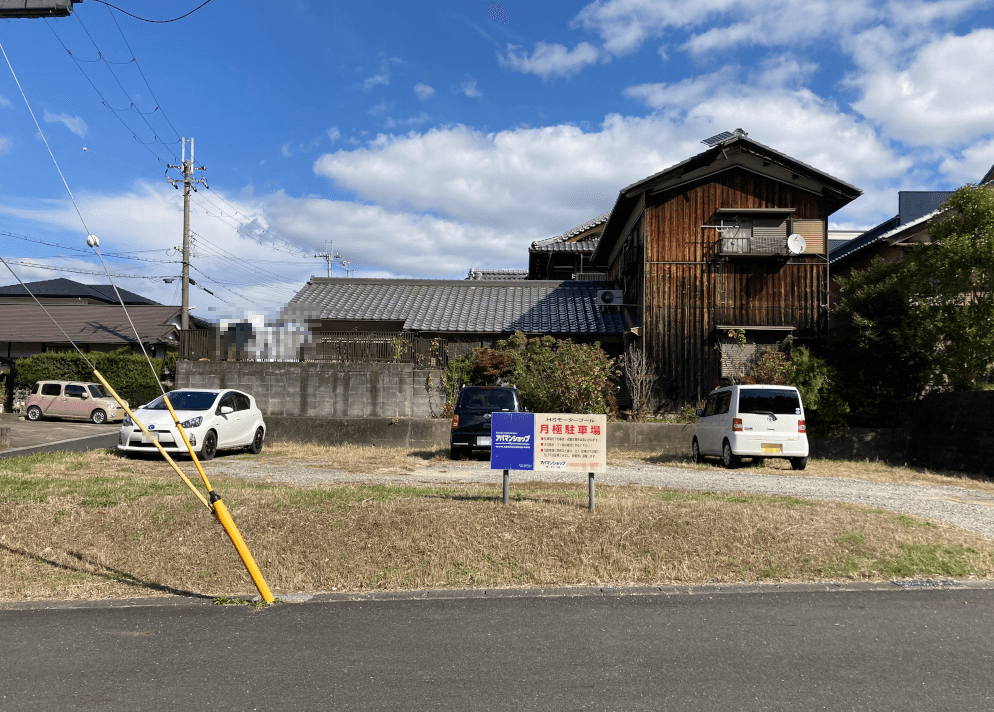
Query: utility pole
x=188 y=182
x=326 y=256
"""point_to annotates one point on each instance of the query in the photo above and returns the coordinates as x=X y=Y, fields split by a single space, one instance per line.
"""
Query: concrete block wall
x=319 y=389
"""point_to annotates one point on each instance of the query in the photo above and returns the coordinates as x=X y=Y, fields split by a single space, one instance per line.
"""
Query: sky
x=424 y=139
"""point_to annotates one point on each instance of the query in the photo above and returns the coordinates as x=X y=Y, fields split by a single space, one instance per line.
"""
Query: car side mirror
x=699 y=412
x=225 y=409
x=84 y=395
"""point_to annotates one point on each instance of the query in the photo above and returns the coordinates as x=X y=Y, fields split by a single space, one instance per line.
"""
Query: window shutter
x=813 y=232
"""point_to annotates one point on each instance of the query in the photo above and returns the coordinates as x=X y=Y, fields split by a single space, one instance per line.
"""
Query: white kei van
x=755 y=421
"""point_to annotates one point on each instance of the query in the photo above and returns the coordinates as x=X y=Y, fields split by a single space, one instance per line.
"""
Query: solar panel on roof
x=718 y=138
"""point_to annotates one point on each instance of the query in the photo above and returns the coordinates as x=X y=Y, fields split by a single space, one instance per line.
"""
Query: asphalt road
x=27 y=437
x=787 y=650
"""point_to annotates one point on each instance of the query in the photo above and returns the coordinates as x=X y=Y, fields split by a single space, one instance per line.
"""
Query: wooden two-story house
x=718 y=257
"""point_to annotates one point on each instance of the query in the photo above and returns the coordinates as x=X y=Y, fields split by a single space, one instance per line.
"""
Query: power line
x=123 y=90
x=104 y=101
x=35 y=265
x=154 y=21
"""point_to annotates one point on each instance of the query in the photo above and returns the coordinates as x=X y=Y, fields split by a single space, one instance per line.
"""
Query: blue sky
x=423 y=139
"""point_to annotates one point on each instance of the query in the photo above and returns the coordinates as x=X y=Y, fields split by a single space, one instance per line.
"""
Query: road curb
x=895 y=586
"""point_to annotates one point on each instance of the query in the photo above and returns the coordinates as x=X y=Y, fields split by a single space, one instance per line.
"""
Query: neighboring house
x=90 y=314
x=890 y=240
x=702 y=253
x=467 y=313
x=66 y=291
x=26 y=330
x=567 y=256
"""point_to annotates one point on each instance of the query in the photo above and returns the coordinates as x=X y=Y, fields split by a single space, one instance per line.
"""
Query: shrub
x=127 y=373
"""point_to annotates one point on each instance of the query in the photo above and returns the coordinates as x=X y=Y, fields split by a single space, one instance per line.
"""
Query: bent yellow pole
x=215 y=505
x=224 y=517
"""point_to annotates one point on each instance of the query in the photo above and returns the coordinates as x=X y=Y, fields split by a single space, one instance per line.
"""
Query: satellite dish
x=796 y=244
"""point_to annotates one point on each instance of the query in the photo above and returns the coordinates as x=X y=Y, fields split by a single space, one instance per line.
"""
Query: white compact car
x=752 y=421
x=212 y=419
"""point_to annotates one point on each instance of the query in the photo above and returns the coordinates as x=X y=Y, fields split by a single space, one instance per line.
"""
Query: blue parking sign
x=512 y=441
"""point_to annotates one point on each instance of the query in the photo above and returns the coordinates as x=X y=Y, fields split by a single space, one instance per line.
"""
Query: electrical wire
x=123 y=90
x=90 y=239
x=134 y=59
x=103 y=100
x=34 y=265
x=154 y=21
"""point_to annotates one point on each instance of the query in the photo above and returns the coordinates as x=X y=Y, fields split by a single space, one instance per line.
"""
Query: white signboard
x=567 y=442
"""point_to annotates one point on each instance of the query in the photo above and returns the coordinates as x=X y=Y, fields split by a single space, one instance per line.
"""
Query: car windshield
x=185 y=400
x=487 y=399
x=96 y=391
x=769 y=400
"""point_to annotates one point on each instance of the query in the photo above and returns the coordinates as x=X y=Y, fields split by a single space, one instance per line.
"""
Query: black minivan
x=471 y=417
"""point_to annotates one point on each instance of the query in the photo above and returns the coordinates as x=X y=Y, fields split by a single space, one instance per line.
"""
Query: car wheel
x=34 y=413
x=695 y=452
x=729 y=459
x=798 y=463
x=98 y=416
x=256 y=447
x=209 y=448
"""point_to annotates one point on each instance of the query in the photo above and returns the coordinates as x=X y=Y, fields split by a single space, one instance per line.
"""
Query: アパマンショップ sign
x=559 y=442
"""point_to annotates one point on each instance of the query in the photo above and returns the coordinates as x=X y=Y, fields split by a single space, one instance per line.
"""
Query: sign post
x=551 y=442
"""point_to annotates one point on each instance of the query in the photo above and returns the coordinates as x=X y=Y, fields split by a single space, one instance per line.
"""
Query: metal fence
x=382 y=347
x=345 y=346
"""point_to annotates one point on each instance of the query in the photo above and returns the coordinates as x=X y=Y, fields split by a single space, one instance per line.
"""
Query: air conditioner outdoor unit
x=609 y=297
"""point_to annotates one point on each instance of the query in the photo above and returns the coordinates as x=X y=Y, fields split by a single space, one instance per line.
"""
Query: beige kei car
x=72 y=399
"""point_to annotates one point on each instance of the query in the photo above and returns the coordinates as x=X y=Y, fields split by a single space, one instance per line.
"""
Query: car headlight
x=127 y=422
x=193 y=422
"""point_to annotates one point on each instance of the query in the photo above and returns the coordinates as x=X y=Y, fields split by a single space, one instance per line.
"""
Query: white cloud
x=940 y=98
x=333 y=134
x=383 y=76
x=73 y=123
x=423 y=91
x=468 y=88
x=286 y=151
x=5 y=144
x=4 y=101
x=375 y=80
x=971 y=164
x=550 y=60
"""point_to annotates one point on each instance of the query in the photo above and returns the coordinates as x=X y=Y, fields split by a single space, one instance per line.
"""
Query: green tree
x=879 y=370
x=552 y=376
x=948 y=286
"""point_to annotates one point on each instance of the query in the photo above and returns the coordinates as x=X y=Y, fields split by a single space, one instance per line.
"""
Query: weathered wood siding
x=689 y=289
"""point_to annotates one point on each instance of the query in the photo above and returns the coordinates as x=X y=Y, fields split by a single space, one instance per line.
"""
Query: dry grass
x=94 y=525
x=867 y=470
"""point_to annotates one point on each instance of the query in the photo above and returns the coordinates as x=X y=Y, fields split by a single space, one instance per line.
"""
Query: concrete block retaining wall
x=318 y=389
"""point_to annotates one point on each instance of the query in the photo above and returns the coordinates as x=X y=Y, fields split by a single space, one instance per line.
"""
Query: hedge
x=127 y=373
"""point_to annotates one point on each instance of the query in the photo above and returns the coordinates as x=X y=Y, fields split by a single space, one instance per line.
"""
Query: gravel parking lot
x=965 y=508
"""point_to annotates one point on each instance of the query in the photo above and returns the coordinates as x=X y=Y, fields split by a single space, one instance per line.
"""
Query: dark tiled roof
x=453 y=306
x=498 y=275
x=560 y=243
x=882 y=232
x=746 y=141
x=87 y=323
x=67 y=288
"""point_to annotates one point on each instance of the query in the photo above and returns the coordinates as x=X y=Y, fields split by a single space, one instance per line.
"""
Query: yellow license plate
x=771 y=447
